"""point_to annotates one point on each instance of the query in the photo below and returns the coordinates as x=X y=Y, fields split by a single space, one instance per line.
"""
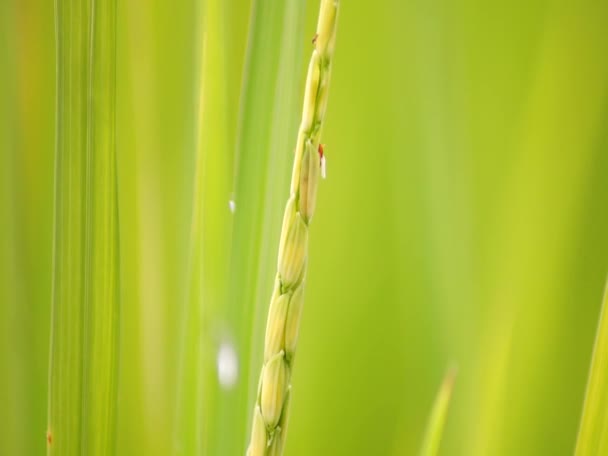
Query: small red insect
x=314 y=38
x=321 y=151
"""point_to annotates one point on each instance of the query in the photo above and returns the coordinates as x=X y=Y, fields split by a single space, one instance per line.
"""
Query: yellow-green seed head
x=259 y=389
x=259 y=438
x=309 y=181
x=295 y=174
x=275 y=326
x=287 y=301
x=278 y=440
x=288 y=216
x=322 y=97
x=285 y=414
x=274 y=388
x=292 y=324
x=276 y=290
x=310 y=95
x=326 y=27
x=293 y=247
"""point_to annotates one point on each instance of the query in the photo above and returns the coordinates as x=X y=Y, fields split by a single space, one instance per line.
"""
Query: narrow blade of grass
x=102 y=250
x=593 y=431
x=436 y=423
x=84 y=329
x=210 y=234
x=65 y=371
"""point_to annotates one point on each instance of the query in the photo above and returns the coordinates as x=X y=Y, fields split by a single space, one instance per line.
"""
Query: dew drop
x=232 y=206
x=227 y=365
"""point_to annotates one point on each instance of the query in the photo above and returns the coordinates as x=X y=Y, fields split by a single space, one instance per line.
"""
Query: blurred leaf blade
x=209 y=241
x=102 y=245
x=12 y=440
x=67 y=338
x=519 y=344
x=593 y=431
x=84 y=331
x=439 y=413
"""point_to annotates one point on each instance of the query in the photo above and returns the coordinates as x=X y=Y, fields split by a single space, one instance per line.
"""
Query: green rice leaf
x=593 y=432
x=84 y=332
x=209 y=244
x=434 y=431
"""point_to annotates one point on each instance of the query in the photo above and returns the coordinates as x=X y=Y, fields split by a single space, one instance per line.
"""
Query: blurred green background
x=464 y=219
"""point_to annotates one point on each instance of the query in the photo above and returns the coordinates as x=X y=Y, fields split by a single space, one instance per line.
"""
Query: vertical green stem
x=84 y=331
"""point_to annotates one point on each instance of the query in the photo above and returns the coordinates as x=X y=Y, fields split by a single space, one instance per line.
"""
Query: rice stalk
x=271 y=411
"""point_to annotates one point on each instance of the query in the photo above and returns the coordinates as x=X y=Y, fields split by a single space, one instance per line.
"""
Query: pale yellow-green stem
x=271 y=410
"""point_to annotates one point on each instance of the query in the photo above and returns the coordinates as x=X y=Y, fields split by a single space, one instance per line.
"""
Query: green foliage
x=463 y=218
x=84 y=332
x=436 y=423
x=11 y=287
x=593 y=433
x=209 y=241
